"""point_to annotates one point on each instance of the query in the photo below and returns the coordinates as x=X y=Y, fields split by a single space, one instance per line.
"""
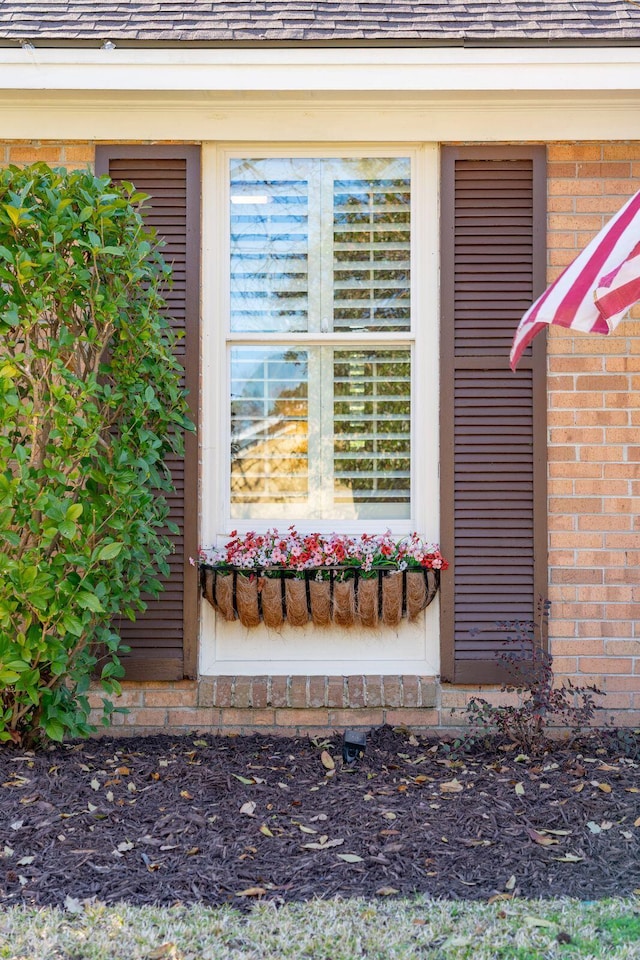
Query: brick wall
x=594 y=447
x=594 y=499
x=70 y=155
x=279 y=704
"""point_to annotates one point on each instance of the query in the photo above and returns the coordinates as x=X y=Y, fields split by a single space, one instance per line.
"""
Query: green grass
x=329 y=930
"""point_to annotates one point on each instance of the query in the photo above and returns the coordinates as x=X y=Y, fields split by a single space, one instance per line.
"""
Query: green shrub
x=90 y=405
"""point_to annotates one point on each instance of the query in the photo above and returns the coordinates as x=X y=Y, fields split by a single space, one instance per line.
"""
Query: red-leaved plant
x=543 y=702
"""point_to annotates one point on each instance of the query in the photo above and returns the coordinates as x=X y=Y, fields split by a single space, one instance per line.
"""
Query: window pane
x=316 y=240
x=269 y=428
x=372 y=431
x=371 y=244
x=269 y=245
x=320 y=246
x=320 y=433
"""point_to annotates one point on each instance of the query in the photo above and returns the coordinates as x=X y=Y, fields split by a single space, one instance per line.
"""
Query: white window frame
x=424 y=337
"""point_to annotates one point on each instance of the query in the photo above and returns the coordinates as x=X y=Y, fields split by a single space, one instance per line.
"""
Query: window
x=320 y=340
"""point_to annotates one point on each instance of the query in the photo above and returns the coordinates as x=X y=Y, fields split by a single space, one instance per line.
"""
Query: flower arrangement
x=275 y=576
x=293 y=552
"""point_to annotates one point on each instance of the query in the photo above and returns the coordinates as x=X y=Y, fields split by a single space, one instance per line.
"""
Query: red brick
x=223 y=691
x=392 y=691
x=242 y=692
x=246 y=718
x=298 y=692
x=144 y=717
x=579 y=188
x=622 y=683
x=565 y=152
x=601 y=454
x=410 y=691
x=206 y=691
x=577 y=576
x=622 y=504
x=356 y=718
x=582 y=221
x=576 y=647
x=336 y=692
x=317 y=691
x=279 y=691
x=302 y=718
x=195 y=718
x=259 y=692
x=604 y=169
x=49 y=153
x=600 y=522
x=584 y=470
x=604 y=417
x=170 y=698
x=563 y=169
x=128 y=697
x=606 y=205
x=624 y=718
x=576 y=364
x=620 y=701
x=355 y=687
x=79 y=152
x=412 y=718
x=605 y=665
x=617 y=648
x=567 y=666
x=576 y=540
x=374 y=690
x=616 y=628
x=621 y=188
x=428 y=691
x=575 y=505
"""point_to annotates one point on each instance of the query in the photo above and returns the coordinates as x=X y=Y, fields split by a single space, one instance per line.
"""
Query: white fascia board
x=524 y=69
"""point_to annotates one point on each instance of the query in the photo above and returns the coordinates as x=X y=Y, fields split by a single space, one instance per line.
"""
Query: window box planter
x=343 y=595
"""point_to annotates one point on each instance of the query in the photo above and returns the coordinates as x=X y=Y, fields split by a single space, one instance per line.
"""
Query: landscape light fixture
x=353 y=745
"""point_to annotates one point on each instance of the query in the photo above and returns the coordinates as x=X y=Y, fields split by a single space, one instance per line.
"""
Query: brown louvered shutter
x=493 y=434
x=163 y=639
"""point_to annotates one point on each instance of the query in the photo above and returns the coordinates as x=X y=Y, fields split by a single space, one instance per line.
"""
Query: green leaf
x=13 y=212
x=68 y=529
x=110 y=551
x=54 y=730
x=74 y=511
x=89 y=601
x=73 y=624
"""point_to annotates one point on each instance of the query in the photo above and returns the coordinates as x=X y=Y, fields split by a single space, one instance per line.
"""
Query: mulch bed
x=163 y=820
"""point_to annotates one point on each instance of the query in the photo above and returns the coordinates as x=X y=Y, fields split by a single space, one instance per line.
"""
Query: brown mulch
x=227 y=820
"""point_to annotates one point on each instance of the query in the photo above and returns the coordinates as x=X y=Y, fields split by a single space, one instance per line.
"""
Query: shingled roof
x=216 y=22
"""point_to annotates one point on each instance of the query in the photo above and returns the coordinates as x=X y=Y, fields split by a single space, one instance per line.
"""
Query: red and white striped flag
x=595 y=291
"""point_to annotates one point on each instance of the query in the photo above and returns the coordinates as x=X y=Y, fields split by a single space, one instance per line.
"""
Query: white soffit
x=455 y=69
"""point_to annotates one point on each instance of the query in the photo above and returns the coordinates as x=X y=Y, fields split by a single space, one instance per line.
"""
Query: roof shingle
x=286 y=21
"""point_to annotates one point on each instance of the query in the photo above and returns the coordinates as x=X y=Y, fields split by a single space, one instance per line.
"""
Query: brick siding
x=594 y=447
x=594 y=502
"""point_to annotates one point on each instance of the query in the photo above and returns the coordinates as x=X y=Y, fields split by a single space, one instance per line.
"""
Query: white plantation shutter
x=372 y=426
x=371 y=254
x=320 y=429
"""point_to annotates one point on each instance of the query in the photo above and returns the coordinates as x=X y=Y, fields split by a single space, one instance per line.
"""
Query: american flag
x=595 y=291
